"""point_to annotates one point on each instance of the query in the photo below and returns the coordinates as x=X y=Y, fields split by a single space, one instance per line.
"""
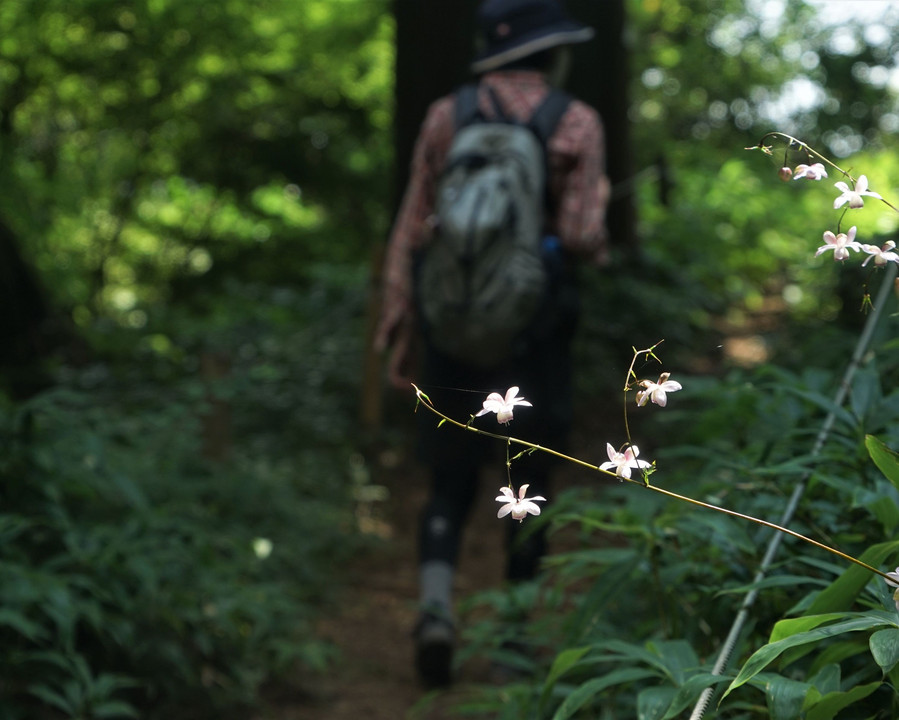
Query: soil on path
x=374 y=677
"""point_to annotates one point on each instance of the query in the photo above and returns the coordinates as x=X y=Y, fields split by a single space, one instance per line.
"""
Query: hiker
x=463 y=356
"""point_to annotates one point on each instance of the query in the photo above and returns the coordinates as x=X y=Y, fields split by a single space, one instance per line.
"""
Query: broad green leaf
x=885 y=648
x=843 y=591
x=884 y=458
x=865 y=392
x=586 y=692
x=653 y=702
x=762 y=657
x=793 y=626
x=828 y=678
x=832 y=703
x=785 y=697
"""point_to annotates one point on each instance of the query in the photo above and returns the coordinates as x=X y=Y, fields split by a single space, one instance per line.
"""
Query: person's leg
x=443 y=519
x=453 y=492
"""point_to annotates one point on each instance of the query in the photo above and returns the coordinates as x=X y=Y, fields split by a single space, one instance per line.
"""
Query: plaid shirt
x=577 y=183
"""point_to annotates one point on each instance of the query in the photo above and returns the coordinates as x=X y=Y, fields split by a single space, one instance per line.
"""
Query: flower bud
x=785 y=174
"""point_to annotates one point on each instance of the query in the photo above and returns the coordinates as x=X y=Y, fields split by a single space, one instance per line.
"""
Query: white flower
x=854 y=196
x=657 y=391
x=881 y=255
x=895 y=578
x=623 y=462
x=519 y=507
x=502 y=406
x=840 y=244
x=812 y=172
x=262 y=547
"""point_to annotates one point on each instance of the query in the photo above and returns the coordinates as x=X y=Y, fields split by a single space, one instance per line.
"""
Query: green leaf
x=765 y=655
x=832 y=703
x=785 y=697
x=884 y=458
x=114 y=709
x=884 y=646
x=793 y=626
x=586 y=692
x=24 y=626
x=564 y=661
x=689 y=692
x=51 y=697
x=843 y=591
x=653 y=702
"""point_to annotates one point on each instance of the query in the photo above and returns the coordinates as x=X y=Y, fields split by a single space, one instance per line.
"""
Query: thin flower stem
x=813 y=154
x=632 y=377
x=771 y=525
x=426 y=401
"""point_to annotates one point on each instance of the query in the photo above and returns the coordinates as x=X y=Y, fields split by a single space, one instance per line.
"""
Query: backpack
x=481 y=280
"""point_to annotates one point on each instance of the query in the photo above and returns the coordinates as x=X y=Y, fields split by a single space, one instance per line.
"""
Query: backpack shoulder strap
x=548 y=114
x=466 y=108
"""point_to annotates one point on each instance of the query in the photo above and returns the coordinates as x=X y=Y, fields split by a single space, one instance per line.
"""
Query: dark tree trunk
x=600 y=76
x=434 y=47
x=23 y=321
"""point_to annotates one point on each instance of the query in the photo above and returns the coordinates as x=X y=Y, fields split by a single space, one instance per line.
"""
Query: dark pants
x=454 y=456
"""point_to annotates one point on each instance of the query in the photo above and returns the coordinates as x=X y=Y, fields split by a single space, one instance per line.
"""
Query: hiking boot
x=434 y=640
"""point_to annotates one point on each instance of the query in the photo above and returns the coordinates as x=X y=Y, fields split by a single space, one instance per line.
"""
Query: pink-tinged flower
x=520 y=506
x=854 y=195
x=840 y=244
x=623 y=462
x=502 y=406
x=657 y=392
x=785 y=174
x=881 y=255
x=812 y=172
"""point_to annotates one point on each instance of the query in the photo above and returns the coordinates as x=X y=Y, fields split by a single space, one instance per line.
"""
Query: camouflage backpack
x=481 y=279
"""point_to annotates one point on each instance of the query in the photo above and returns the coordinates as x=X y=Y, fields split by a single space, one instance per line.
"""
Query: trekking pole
x=736 y=628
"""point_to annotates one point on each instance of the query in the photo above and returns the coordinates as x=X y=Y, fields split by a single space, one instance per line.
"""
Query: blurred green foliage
x=156 y=143
x=199 y=186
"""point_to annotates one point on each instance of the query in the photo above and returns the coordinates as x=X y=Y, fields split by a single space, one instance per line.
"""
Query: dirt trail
x=374 y=677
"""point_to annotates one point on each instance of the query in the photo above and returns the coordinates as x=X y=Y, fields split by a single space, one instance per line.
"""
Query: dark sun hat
x=513 y=29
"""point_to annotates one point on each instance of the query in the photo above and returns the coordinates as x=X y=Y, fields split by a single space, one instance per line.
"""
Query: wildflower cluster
x=621 y=463
x=852 y=197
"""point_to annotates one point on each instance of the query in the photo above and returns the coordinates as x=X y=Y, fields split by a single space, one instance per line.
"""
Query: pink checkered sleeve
x=412 y=226
x=579 y=183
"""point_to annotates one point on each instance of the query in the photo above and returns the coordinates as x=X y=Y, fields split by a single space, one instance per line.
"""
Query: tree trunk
x=434 y=47
x=23 y=321
x=600 y=75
